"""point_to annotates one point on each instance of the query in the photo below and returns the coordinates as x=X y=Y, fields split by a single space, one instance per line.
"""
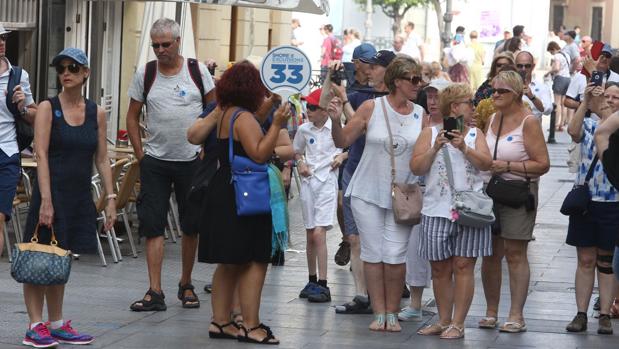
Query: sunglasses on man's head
x=73 y=68
x=4 y=37
x=522 y=66
x=156 y=45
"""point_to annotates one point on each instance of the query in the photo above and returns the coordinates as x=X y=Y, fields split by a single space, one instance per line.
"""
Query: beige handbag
x=406 y=199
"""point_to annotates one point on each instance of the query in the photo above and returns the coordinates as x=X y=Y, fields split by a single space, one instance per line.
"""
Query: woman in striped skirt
x=451 y=248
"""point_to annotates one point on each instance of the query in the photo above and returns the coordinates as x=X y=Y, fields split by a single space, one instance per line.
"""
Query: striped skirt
x=441 y=239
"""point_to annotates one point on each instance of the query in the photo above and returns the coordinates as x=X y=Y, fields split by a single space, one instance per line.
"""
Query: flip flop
x=489 y=322
x=513 y=327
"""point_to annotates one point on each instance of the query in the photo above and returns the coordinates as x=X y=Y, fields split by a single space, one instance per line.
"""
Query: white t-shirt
x=411 y=46
x=173 y=104
x=564 y=64
x=348 y=50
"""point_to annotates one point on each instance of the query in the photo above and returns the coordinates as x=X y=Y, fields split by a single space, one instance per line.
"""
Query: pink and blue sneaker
x=39 y=337
x=67 y=334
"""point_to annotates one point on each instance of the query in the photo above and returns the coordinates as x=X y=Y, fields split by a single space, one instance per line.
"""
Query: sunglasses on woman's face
x=73 y=68
x=415 y=80
x=501 y=91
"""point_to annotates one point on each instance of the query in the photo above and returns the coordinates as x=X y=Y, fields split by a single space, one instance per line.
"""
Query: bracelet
x=111 y=196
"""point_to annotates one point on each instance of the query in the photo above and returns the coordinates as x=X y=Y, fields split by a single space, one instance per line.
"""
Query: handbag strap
x=496 y=143
x=233 y=118
x=35 y=236
x=591 y=168
x=391 y=155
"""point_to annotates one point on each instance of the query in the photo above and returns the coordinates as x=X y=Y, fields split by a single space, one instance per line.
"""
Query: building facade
x=595 y=18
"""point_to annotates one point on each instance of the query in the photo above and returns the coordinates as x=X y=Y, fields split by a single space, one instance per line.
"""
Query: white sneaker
x=409 y=314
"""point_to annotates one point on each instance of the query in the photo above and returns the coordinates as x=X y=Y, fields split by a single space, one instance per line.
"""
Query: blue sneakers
x=39 y=337
x=310 y=288
x=321 y=295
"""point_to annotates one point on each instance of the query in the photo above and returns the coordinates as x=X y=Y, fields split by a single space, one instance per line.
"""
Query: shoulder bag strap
x=233 y=118
x=196 y=75
x=391 y=156
x=496 y=143
x=150 y=74
x=591 y=169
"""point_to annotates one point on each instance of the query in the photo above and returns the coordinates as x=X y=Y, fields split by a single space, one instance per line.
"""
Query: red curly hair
x=240 y=86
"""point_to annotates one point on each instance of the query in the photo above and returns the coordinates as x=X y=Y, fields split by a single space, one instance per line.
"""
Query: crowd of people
x=395 y=152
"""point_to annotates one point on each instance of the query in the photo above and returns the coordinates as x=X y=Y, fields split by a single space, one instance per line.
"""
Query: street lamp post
x=368 y=21
x=447 y=18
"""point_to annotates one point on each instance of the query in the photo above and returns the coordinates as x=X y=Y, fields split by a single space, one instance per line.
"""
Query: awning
x=308 y=6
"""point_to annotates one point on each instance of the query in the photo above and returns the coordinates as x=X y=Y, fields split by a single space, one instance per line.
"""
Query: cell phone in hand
x=597 y=78
x=450 y=124
x=596 y=49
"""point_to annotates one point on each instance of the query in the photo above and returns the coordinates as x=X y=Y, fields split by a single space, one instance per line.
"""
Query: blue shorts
x=598 y=228
x=350 y=227
x=9 y=178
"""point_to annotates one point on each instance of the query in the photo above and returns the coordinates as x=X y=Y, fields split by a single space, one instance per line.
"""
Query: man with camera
x=535 y=93
x=9 y=151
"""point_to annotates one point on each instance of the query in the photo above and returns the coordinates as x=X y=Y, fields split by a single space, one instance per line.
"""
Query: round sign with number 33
x=285 y=70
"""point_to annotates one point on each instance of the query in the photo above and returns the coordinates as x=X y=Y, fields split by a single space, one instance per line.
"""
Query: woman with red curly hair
x=240 y=245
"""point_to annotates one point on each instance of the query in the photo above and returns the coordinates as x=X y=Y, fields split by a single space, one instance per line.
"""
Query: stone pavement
x=98 y=298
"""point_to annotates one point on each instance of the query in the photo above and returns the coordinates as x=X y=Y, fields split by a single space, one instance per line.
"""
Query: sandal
x=222 y=334
x=379 y=323
x=237 y=318
x=513 y=327
x=489 y=322
x=435 y=329
x=156 y=302
x=191 y=301
x=269 y=339
x=393 y=325
x=460 y=331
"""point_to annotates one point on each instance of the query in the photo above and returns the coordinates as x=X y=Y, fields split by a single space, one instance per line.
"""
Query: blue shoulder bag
x=251 y=181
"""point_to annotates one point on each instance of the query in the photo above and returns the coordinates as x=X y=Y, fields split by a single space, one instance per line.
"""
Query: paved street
x=98 y=298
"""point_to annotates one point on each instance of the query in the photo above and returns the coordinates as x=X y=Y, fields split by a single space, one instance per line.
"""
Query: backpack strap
x=196 y=76
x=150 y=74
x=14 y=79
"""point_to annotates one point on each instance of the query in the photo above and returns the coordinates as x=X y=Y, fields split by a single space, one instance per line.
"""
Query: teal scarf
x=279 y=211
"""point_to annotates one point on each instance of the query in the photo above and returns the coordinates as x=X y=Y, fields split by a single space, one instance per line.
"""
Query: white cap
x=438 y=84
x=3 y=30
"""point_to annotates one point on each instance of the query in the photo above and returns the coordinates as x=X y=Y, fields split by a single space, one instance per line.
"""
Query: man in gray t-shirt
x=173 y=103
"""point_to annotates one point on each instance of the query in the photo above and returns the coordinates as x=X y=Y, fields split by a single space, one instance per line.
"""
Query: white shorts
x=418 y=271
x=382 y=239
x=319 y=202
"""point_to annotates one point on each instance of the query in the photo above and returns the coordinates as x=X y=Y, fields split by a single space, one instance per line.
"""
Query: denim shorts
x=9 y=178
x=598 y=228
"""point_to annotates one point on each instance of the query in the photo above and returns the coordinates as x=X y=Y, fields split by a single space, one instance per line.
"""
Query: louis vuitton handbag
x=41 y=264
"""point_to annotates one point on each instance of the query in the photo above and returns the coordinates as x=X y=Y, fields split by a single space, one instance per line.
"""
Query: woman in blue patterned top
x=595 y=232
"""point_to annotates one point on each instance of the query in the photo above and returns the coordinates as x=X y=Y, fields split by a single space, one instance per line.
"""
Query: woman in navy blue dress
x=70 y=133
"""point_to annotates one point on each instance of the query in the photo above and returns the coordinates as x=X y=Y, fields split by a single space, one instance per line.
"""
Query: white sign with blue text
x=286 y=70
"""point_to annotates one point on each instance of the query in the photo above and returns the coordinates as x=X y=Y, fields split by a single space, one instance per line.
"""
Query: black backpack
x=150 y=74
x=24 y=131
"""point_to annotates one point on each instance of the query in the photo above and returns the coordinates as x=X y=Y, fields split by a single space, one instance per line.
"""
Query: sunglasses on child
x=501 y=91
x=312 y=107
x=156 y=45
x=4 y=37
x=73 y=68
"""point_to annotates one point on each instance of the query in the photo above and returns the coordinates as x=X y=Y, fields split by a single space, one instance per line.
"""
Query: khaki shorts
x=517 y=223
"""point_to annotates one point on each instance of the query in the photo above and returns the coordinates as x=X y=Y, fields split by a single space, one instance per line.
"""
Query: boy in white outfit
x=317 y=160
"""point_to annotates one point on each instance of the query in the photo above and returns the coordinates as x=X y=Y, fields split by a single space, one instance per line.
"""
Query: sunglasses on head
x=501 y=91
x=73 y=68
x=522 y=66
x=312 y=107
x=163 y=44
x=4 y=37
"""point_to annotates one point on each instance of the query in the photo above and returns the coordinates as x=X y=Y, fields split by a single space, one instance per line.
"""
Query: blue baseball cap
x=364 y=51
x=72 y=53
x=608 y=49
x=382 y=58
